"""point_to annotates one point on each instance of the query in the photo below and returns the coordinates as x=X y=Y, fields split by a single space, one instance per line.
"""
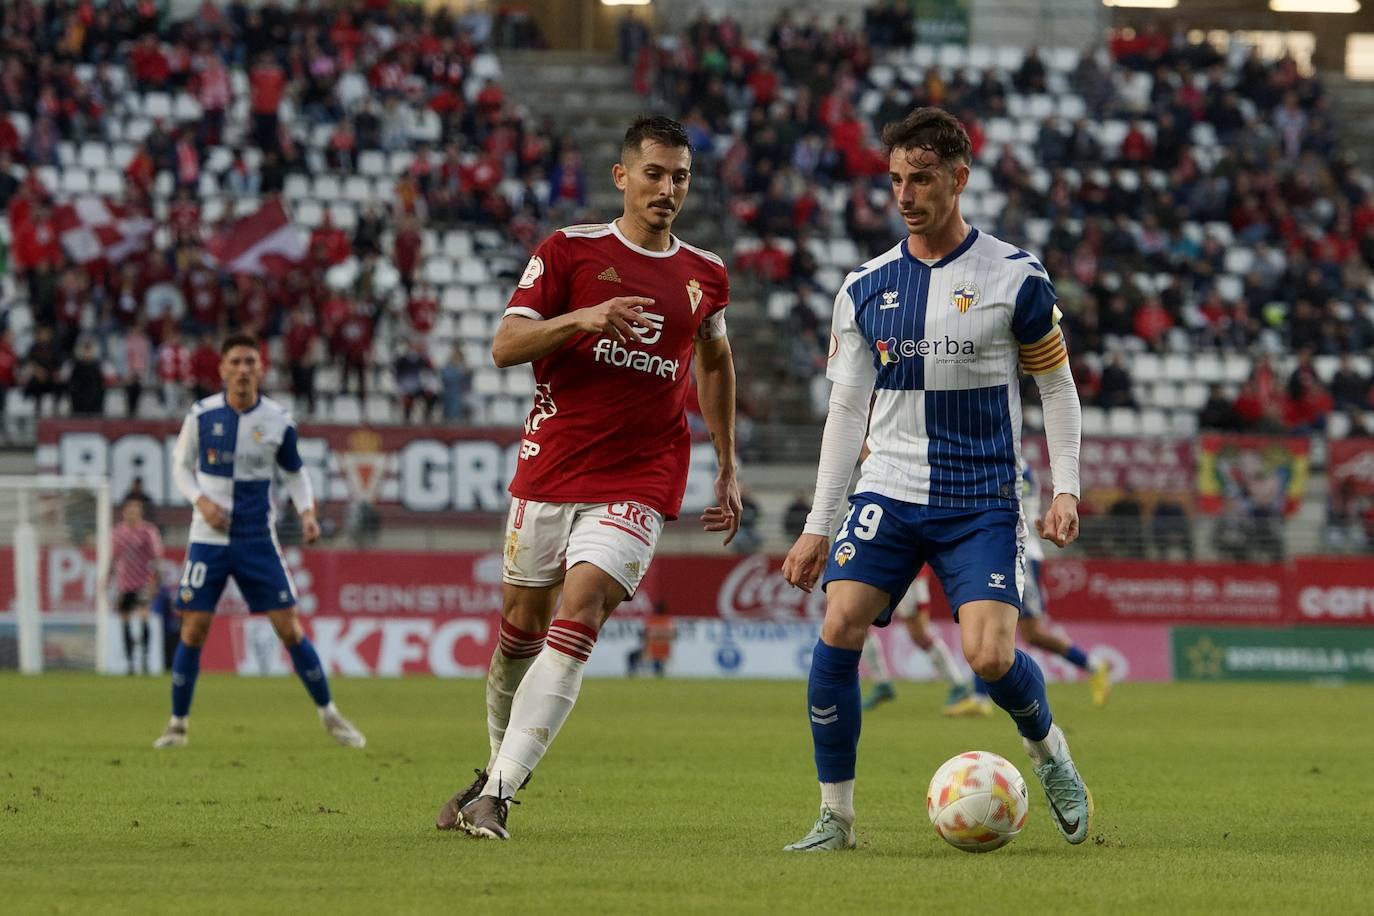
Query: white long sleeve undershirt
x=1063 y=426
x=845 y=427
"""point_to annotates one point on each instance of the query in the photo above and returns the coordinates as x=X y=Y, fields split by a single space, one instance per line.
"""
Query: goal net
x=54 y=564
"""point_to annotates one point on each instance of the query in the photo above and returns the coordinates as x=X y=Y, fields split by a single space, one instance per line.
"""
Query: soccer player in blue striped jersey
x=232 y=445
x=935 y=333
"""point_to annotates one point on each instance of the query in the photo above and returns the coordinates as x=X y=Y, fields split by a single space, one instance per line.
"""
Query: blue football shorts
x=976 y=553
x=256 y=565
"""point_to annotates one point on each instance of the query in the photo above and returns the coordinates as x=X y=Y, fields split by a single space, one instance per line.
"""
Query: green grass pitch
x=666 y=796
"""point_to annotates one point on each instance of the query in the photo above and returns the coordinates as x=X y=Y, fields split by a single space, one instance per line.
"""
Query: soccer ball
x=977 y=802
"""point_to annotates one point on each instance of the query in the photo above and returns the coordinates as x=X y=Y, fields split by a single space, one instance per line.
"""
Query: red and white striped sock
x=515 y=652
x=541 y=705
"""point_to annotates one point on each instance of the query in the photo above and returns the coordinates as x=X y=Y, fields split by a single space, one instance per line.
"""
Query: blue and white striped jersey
x=943 y=345
x=232 y=458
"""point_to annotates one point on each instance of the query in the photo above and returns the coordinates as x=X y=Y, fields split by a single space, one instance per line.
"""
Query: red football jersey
x=609 y=422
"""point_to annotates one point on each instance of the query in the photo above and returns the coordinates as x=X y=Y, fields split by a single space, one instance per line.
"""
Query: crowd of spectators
x=268 y=81
x=1225 y=217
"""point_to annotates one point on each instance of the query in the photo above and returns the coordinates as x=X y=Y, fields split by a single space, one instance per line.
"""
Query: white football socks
x=541 y=705
x=514 y=655
x=874 y=659
x=839 y=797
x=1052 y=745
x=944 y=663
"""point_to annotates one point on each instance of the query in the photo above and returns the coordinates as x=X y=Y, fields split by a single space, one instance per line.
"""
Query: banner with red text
x=1350 y=467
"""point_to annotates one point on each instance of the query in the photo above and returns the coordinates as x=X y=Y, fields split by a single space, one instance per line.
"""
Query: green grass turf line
x=666 y=797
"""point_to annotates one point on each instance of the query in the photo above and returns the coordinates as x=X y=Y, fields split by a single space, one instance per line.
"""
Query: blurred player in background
x=930 y=338
x=137 y=550
x=224 y=464
x=656 y=645
x=914 y=611
x=611 y=316
x=163 y=607
x=1034 y=623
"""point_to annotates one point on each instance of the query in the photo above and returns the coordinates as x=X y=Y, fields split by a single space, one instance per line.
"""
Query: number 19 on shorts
x=866 y=526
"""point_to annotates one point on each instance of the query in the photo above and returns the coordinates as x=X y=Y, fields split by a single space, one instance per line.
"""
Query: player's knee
x=195 y=632
x=991 y=661
x=843 y=632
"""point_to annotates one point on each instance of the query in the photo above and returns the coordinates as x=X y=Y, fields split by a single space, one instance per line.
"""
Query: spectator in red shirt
x=302 y=354
x=266 y=85
x=205 y=379
x=354 y=340
x=406 y=251
x=423 y=310
x=1152 y=322
x=173 y=367
x=9 y=363
x=184 y=218
x=149 y=64
x=1135 y=146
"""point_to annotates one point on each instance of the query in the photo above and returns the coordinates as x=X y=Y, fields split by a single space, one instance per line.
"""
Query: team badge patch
x=533 y=271
x=844 y=553
x=965 y=296
x=257 y=435
x=694 y=294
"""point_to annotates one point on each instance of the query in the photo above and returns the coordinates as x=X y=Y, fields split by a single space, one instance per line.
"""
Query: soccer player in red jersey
x=611 y=316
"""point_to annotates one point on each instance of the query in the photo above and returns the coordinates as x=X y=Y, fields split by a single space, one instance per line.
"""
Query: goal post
x=55 y=608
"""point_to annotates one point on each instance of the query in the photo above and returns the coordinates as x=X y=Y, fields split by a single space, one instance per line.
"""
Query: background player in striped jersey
x=135 y=555
x=934 y=333
x=231 y=447
x=611 y=316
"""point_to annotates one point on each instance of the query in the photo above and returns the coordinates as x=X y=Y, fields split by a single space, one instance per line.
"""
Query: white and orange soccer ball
x=977 y=801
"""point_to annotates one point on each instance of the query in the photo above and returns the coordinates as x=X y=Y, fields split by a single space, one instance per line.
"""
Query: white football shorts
x=545 y=540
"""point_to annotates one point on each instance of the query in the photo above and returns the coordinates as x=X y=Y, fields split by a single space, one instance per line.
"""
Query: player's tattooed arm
x=523 y=340
x=715 y=370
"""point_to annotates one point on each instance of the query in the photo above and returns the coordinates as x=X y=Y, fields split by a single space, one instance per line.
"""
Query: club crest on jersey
x=216 y=429
x=965 y=296
x=257 y=435
x=889 y=300
x=694 y=294
x=844 y=553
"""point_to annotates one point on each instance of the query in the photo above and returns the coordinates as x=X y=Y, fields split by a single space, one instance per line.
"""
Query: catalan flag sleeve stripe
x=1046 y=354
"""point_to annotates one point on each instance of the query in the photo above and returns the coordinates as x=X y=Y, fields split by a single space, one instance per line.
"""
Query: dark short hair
x=931 y=129
x=239 y=339
x=657 y=128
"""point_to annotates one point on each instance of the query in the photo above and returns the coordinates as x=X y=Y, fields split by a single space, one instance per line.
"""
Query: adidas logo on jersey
x=609 y=275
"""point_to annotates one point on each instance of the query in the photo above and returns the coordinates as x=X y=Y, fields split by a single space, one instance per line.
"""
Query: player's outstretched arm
x=523 y=340
x=1063 y=428
x=715 y=369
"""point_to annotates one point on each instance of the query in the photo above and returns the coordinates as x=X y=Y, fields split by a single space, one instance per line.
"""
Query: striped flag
x=265 y=242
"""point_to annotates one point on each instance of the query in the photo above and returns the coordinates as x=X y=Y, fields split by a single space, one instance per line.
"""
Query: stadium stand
x=1211 y=245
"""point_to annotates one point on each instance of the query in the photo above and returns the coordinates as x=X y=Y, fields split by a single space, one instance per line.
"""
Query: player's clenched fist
x=805 y=561
x=214 y=515
x=616 y=318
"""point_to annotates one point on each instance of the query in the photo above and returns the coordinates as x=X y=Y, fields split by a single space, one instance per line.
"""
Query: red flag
x=94 y=229
x=265 y=242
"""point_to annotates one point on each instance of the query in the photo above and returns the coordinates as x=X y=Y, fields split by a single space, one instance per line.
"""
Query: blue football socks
x=1021 y=692
x=185 y=670
x=1077 y=657
x=307 y=664
x=832 y=694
